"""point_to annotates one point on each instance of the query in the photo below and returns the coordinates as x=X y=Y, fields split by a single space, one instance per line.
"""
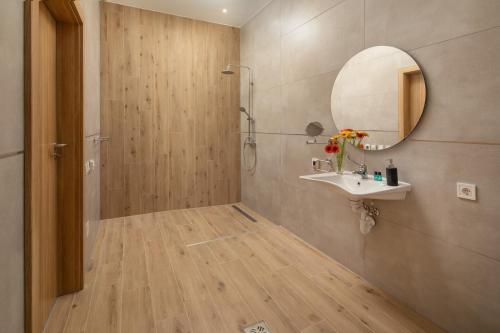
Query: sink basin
x=356 y=188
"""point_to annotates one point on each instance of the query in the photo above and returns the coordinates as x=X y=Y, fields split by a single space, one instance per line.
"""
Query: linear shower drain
x=260 y=327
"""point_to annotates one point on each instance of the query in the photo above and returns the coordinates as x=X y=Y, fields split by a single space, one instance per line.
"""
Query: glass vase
x=340 y=158
x=340 y=163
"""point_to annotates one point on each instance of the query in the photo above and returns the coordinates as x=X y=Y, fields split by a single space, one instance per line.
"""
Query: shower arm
x=240 y=66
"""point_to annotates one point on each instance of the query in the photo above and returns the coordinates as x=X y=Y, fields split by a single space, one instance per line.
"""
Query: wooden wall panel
x=171 y=115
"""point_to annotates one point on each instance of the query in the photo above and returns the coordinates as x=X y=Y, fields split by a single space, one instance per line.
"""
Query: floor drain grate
x=260 y=327
x=245 y=214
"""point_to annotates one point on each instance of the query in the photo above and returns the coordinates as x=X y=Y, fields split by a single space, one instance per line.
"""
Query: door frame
x=69 y=109
x=404 y=76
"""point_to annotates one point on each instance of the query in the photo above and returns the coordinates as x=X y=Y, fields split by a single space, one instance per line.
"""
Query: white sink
x=356 y=188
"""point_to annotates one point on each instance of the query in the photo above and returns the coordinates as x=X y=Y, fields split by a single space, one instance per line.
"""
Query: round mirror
x=381 y=91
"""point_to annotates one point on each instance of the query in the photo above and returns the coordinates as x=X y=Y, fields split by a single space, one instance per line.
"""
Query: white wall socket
x=466 y=191
x=89 y=166
x=314 y=162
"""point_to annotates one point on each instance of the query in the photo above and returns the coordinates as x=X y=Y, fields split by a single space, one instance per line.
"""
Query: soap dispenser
x=391 y=173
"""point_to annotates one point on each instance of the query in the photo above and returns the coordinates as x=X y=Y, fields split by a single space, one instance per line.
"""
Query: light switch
x=466 y=191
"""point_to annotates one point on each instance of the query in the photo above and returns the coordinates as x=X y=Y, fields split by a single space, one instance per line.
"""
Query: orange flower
x=332 y=149
x=361 y=146
x=361 y=135
x=346 y=134
x=335 y=138
x=349 y=134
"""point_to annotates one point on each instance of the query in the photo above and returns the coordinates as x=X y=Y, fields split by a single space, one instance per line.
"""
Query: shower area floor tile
x=213 y=270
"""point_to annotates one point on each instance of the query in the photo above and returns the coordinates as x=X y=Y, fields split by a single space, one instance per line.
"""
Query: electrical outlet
x=89 y=166
x=315 y=163
x=466 y=191
x=87 y=229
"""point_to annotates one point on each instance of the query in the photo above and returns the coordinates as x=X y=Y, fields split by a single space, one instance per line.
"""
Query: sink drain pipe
x=367 y=220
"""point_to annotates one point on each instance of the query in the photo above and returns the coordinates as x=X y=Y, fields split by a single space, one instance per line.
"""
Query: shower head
x=243 y=110
x=228 y=70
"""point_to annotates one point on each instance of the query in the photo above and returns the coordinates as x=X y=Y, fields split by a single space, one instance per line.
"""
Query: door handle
x=55 y=153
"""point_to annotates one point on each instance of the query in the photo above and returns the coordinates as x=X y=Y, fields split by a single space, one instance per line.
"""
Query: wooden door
x=45 y=130
x=412 y=95
x=54 y=156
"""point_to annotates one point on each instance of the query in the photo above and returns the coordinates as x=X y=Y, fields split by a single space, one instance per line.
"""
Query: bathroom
x=213 y=166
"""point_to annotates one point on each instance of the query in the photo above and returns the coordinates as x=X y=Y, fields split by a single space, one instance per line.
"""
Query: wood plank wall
x=171 y=115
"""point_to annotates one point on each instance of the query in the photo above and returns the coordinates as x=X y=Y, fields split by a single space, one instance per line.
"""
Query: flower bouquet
x=337 y=144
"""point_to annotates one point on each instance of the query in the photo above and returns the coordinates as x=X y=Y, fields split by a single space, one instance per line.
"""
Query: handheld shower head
x=243 y=110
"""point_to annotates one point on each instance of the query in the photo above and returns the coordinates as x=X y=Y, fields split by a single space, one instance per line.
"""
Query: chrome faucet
x=362 y=168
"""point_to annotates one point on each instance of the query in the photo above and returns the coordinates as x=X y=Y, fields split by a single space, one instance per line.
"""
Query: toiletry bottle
x=391 y=173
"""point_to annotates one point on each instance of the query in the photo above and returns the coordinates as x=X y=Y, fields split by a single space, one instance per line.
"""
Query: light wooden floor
x=209 y=270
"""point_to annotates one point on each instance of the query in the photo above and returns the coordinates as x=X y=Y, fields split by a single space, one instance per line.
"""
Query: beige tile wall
x=11 y=77
x=11 y=245
x=437 y=253
x=11 y=167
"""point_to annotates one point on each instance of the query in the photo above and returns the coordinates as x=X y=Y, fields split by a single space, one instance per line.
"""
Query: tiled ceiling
x=238 y=12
